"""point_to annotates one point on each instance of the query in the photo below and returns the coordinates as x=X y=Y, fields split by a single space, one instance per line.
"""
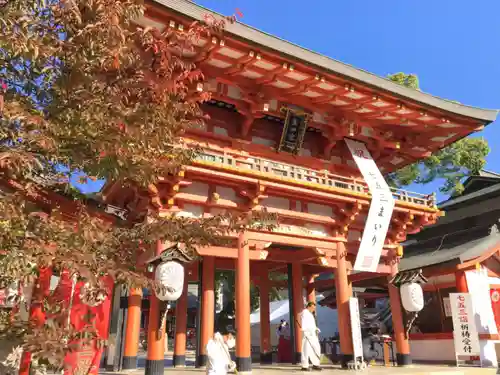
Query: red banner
x=87 y=358
x=495 y=304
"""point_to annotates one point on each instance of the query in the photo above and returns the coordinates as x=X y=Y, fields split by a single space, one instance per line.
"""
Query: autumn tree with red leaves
x=85 y=88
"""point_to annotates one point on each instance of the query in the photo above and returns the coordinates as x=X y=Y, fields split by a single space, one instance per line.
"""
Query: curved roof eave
x=305 y=56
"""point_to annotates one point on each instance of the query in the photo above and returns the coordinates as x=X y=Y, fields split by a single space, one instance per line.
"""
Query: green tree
x=453 y=163
x=228 y=278
x=408 y=80
x=226 y=316
x=82 y=86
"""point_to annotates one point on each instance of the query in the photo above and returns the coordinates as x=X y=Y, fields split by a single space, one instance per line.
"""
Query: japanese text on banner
x=465 y=335
x=380 y=212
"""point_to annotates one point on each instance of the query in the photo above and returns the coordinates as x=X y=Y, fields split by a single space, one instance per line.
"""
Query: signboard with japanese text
x=380 y=212
x=357 y=341
x=293 y=133
x=465 y=335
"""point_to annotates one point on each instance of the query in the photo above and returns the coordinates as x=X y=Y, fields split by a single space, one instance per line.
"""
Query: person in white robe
x=219 y=360
x=311 y=349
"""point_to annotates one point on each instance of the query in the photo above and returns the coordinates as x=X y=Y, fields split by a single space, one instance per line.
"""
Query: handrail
x=299 y=173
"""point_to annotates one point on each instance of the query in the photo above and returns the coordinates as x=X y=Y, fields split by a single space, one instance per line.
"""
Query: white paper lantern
x=170 y=275
x=412 y=297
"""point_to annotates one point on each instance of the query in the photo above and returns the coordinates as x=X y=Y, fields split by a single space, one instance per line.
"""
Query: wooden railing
x=324 y=178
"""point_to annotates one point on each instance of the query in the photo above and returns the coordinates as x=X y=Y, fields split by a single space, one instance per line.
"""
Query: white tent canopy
x=279 y=310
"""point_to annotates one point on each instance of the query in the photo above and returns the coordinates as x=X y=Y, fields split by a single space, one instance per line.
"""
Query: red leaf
x=239 y=13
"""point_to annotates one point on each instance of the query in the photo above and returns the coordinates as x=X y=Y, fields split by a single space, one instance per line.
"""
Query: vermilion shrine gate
x=252 y=158
x=280 y=115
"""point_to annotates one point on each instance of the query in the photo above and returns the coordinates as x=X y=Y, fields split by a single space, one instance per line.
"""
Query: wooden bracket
x=255 y=195
x=348 y=216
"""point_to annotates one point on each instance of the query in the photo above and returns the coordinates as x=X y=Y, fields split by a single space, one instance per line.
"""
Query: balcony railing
x=324 y=178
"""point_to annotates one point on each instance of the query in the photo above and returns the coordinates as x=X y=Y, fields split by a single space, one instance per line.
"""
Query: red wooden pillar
x=298 y=307
x=461 y=282
x=207 y=308
x=402 y=342
x=343 y=293
x=41 y=289
x=243 y=339
x=266 y=355
x=155 y=362
x=311 y=291
x=181 y=310
x=132 y=329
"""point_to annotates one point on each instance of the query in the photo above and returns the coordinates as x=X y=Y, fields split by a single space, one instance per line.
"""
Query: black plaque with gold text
x=294 y=130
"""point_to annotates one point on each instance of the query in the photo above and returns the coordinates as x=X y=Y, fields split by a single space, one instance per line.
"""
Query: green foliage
x=403 y=79
x=461 y=159
x=82 y=86
x=228 y=278
x=453 y=163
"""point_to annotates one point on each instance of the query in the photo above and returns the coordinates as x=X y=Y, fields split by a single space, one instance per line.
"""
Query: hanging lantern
x=170 y=278
x=412 y=297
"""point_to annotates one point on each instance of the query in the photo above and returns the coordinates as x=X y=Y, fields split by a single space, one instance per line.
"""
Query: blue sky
x=453 y=45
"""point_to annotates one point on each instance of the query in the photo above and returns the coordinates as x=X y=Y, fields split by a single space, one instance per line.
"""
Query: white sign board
x=380 y=212
x=465 y=335
x=357 y=341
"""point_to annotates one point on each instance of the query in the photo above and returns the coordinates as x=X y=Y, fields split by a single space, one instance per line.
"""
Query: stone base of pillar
x=345 y=359
x=244 y=365
x=201 y=361
x=179 y=360
x=129 y=363
x=297 y=358
x=155 y=367
x=266 y=358
x=403 y=359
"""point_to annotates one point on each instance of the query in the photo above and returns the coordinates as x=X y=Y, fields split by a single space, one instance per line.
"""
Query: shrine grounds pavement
x=416 y=369
x=331 y=370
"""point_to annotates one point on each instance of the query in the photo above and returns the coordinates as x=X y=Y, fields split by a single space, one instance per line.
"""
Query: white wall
x=426 y=350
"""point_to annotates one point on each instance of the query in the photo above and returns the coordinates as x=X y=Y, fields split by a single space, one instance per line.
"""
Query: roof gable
x=474 y=187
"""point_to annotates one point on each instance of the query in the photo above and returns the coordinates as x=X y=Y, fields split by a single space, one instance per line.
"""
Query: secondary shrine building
x=281 y=119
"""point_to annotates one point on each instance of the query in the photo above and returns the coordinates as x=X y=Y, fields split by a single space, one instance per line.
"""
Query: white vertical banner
x=479 y=289
x=357 y=341
x=465 y=335
x=380 y=212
